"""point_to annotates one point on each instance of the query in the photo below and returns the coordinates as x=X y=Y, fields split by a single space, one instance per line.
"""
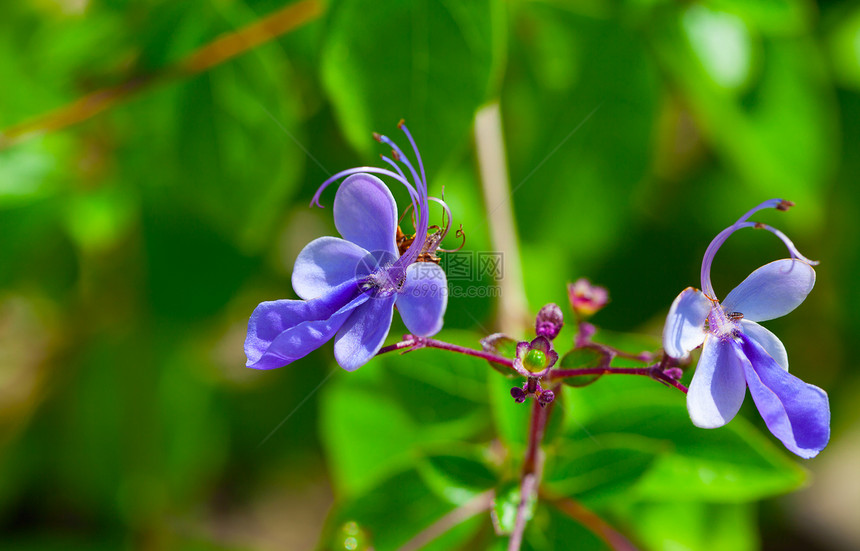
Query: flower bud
x=674 y=373
x=586 y=299
x=549 y=321
x=546 y=397
x=518 y=394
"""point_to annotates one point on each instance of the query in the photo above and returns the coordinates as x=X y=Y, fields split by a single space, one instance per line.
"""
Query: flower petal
x=361 y=337
x=282 y=331
x=767 y=340
x=718 y=387
x=685 y=324
x=325 y=263
x=795 y=412
x=772 y=291
x=365 y=213
x=423 y=298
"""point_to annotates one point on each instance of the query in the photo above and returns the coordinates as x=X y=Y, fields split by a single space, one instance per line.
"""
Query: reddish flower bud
x=586 y=299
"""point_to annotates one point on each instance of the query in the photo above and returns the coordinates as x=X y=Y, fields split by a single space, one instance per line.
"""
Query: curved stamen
x=315 y=201
x=792 y=249
x=413 y=196
x=459 y=233
x=717 y=242
x=402 y=126
x=401 y=157
x=446 y=211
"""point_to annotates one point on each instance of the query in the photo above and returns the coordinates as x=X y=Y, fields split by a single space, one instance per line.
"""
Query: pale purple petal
x=795 y=412
x=685 y=324
x=771 y=344
x=282 y=331
x=362 y=335
x=718 y=387
x=772 y=291
x=366 y=214
x=423 y=298
x=323 y=264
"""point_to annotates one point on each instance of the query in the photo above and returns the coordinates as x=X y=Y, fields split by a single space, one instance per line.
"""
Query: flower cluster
x=349 y=287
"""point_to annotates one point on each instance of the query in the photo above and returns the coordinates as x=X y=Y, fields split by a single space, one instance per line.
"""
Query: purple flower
x=350 y=286
x=738 y=353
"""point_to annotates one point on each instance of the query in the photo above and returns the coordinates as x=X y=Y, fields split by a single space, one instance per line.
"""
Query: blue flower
x=350 y=286
x=738 y=353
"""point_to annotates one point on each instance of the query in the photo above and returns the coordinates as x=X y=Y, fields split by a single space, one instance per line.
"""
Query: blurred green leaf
x=842 y=40
x=510 y=418
x=432 y=63
x=457 y=478
x=576 y=141
x=239 y=152
x=506 y=505
x=733 y=464
x=394 y=512
x=550 y=530
x=397 y=408
x=600 y=469
x=694 y=525
x=776 y=17
x=785 y=96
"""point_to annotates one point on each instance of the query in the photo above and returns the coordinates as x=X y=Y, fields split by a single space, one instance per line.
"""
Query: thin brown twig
x=589 y=519
x=481 y=502
x=223 y=48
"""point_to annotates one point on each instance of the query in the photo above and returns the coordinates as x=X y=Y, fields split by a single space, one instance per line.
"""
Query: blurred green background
x=135 y=244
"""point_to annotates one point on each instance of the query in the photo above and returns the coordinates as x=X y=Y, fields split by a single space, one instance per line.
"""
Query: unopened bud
x=586 y=299
x=546 y=397
x=674 y=373
x=518 y=394
x=549 y=321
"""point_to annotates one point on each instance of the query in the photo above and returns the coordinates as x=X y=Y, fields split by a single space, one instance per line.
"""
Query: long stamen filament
x=742 y=222
x=402 y=125
x=412 y=194
x=315 y=201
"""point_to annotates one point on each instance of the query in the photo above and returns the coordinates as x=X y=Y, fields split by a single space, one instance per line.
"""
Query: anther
x=784 y=205
x=760 y=226
x=377 y=137
x=735 y=316
x=401 y=123
x=395 y=154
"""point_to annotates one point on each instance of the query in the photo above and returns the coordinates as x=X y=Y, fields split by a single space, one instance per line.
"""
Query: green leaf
x=746 y=117
x=715 y=527
x=551 y=530
x=392 y=513
x=502 y=345
x=236 y=127
x=396 y=409
x=776 y=17
x=432 y=63
x=506 y=504
x=581 y=358
x=600 y=469
x=733 y=464
x=511 y=419
x=457 y=478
